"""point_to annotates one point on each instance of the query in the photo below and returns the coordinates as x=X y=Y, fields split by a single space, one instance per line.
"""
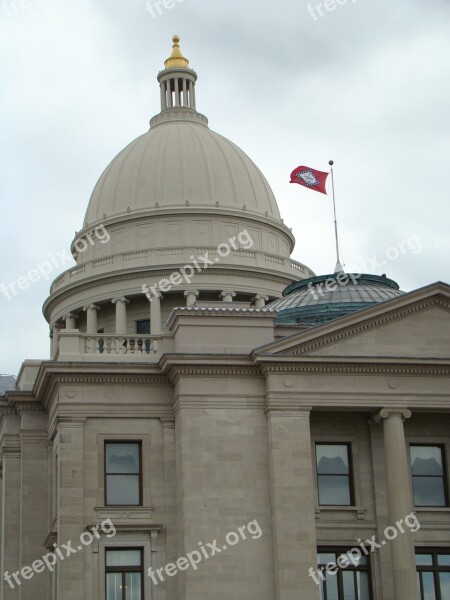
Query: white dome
x=180 y=163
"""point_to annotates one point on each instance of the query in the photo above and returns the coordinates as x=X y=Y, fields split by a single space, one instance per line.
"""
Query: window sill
x=124 y=512
x=436 y=509
x=359 y=510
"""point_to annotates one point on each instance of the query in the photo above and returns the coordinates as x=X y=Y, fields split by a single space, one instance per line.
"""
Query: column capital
x=260 y=297
x=195 y=293
x=227 y=296
x=167 y=422
x=91 y=307
x=70 y=316
x=157 y=296
x=386 y=413
x=122 y=299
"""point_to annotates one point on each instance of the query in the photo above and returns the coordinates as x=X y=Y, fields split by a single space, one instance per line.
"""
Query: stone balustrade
x=76 y=346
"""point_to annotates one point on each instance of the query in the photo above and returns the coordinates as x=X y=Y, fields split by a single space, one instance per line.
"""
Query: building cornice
x=52 y=374
x=362 y=365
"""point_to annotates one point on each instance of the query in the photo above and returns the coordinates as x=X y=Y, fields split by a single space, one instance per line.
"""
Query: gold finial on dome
x=176 y=59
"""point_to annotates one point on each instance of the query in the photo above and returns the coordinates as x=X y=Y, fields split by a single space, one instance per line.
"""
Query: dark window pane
x=426 y=460
x=349 y=585
x=332 y=587
x=143 y=327
x=123 y=558
x=332 y=459
x=362 y=584
x=322 y=594
x=424 y=560
x=429 y=592
x=429 y=491
x=113 y=586
x=444 y=561
x=334 y=490
x=122 y=458
x=444 y=580
x=122 y=490
x=133 y=586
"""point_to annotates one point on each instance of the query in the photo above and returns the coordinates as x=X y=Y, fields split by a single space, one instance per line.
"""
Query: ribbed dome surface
x=179 y=164
x=312 y=302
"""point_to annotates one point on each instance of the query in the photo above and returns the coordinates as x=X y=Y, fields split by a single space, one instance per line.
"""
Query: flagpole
x=338 y=267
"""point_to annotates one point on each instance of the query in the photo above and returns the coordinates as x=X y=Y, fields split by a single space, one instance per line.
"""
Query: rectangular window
x=334 y=474
x=124 y=574
x=428 y=475
x=433 y=574
x=123 y=474
x=349 y=580
x=143 y=327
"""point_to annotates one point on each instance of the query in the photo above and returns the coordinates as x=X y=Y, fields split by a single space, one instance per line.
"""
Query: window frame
x=138 y=321
x=106 y=474
x=434 y=568
x=125 y=569
x=350 y=476
x=350 y=568
x=444 y=477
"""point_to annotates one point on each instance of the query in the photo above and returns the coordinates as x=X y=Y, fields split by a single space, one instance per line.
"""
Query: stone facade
x=226 y=406
x=228 y=438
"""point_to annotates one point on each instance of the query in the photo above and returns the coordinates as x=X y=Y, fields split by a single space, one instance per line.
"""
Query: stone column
x=193 y=102
x=260 y=301
x=163 y=96
x=185 y=98
x=155 y=315
x=177 y=92
x=34 y=505
x=70 y=507
x=227 y=296
x=121 y=315
x=399 y=501
x=169 y=94
x=191 y=297
x=293 y=503
x=54 y=337
x=170 y=499
x=11 y=493
x=91 y=318
x=70 y=321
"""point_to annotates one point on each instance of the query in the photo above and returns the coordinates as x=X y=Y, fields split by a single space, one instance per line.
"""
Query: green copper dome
x=320 y=299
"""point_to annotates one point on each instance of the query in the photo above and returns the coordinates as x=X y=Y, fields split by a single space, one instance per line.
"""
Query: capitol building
x=215 y=420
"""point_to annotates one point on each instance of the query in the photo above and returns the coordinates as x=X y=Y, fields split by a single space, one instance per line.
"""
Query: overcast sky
x=366 y=84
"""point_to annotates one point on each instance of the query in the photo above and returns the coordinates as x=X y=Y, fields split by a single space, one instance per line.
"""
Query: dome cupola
x=176 y=196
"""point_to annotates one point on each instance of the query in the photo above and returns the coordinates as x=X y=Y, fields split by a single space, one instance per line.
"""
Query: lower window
x=124 y=574
x=433 y=574
x=343 y=575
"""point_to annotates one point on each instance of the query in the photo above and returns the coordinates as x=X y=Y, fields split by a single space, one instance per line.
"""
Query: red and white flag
x=310 y=178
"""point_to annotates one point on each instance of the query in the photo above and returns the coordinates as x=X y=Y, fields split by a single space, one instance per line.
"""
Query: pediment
x=416 y=325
